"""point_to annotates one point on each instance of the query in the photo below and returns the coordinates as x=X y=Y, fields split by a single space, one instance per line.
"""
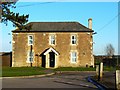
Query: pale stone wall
x=63 y=47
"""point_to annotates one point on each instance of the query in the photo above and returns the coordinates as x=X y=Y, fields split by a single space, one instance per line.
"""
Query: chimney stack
x=90 y=23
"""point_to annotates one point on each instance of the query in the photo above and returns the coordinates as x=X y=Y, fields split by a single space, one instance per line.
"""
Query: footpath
x=107 y=81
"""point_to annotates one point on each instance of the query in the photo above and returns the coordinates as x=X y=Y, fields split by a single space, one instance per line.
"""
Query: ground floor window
x=73 y=57
x=30 y=56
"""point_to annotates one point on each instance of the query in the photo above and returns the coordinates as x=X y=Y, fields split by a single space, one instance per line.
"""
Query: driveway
x=62 y=80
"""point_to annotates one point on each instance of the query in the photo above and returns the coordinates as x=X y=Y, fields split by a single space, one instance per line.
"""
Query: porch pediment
x=49 y=50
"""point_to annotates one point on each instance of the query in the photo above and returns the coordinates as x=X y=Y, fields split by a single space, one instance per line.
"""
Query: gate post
x=118 y=79
x=101 y=70
x=97 y=71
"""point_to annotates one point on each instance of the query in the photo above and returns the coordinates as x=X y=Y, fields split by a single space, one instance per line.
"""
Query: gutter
x=100 y=86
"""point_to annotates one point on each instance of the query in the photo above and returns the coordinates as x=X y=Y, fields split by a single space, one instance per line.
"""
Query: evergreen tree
x=19 y=21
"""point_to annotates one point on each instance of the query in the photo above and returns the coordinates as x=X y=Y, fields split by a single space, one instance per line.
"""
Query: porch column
x=47 y=61
x=56 y=61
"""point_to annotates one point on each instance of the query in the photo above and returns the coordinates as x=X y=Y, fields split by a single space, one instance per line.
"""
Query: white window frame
x=30 y=57
x=51 y=40
x=74 y=39
x=29 y=39
x=74 y=58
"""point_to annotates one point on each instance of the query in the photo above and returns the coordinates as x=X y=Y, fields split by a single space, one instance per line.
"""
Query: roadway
x=62 y=80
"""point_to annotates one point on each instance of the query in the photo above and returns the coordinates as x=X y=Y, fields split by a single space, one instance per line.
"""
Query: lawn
x=75 y=69
x=106 y=68
x=21 y=71
x=28 y=71
x=83 y=69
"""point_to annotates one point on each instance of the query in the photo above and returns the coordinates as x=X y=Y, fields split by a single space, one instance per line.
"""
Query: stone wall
x=63 y=47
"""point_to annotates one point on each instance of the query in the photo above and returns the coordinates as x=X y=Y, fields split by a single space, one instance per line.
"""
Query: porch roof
x=49 y=50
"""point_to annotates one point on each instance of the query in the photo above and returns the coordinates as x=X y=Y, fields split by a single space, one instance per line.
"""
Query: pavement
x=107 y=81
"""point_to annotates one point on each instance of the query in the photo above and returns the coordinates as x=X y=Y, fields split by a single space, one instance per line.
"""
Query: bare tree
x=109 y=50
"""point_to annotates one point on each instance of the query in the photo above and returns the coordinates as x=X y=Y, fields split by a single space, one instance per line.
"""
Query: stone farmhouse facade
x=53 y=44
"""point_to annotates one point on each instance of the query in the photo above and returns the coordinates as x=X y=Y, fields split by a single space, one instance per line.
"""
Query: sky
x=103 y=14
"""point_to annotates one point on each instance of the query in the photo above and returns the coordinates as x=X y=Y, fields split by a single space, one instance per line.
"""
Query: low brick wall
x=6 y=59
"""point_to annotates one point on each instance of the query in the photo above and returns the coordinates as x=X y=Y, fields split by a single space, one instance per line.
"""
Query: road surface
x=64 y=80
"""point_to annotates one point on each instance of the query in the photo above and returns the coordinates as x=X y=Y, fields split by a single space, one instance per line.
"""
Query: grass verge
x=83 y=69
x=28 y=71
x=21 y=71
x=106 y=68
x=74 y=69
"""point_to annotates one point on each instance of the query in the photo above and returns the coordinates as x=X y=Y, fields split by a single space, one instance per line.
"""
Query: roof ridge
x=56 y=22
x=70 y=26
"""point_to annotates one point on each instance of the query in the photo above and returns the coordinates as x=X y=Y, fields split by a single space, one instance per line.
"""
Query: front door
x=52 y=59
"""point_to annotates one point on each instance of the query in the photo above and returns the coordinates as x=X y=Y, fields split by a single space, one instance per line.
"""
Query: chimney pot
x=90 y=23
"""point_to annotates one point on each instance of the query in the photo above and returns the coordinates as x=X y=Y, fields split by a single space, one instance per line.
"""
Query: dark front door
x=43 y=60
x=52 y=59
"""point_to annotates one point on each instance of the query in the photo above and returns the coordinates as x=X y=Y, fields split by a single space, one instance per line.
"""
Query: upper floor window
x=52 y=40
x=30 y=40
x=73 y=39
x=73 y=57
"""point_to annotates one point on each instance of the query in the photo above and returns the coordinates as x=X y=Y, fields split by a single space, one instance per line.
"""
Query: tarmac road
x=62 y=80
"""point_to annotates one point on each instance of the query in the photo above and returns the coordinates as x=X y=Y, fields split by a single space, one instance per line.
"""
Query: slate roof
x=5 y=53
x=56 y=27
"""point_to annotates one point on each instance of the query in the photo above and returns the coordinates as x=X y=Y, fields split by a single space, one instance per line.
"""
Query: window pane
x=53 y=42
x=30 y=40
x=52 y=36
x=52 y=39
x=73 y=42
x=30 y=56
x=73 y=39
x=74 y=56
x=30 y=37
x=30 y=59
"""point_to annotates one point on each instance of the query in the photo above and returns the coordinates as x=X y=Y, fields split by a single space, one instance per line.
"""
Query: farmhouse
x=53 y=44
